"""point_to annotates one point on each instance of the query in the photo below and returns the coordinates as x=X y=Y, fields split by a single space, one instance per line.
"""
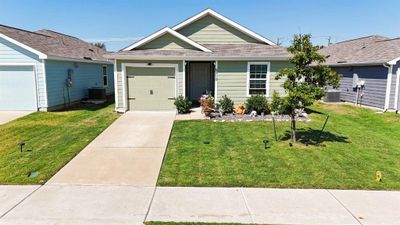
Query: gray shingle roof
x=218 y=50
x=367 y=50
x=55 y=44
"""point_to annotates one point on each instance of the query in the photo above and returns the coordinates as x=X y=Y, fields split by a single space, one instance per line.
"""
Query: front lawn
x=54 y=138
x=356 y=144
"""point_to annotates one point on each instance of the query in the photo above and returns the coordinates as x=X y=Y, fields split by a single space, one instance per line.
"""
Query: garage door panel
x=151 y=88
x=17 y=88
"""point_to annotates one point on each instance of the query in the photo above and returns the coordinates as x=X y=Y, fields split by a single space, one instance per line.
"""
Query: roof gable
x=209 y=30
x=213 y=21
x=161 y=33
x=167 y=41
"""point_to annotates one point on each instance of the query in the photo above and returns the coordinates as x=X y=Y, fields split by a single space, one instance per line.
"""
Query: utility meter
x=68 y=81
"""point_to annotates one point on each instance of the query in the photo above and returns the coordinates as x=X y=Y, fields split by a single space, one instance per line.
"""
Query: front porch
x=199 y=79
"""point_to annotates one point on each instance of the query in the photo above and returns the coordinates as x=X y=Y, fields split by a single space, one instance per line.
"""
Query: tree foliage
x=306 y=79
x=100 y=45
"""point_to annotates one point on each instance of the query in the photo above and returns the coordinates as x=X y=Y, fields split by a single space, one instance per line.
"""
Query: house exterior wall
x=375 y=78
x=11 y=53
x=232 y=79
x=120 y=78
x=85 y=75
x=167 y=42
x=209 y=30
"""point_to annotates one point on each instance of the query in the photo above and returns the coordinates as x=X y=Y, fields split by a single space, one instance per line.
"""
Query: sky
x=119 y=23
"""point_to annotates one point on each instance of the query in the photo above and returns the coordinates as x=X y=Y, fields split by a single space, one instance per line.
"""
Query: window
x=105 y=76
x=258 y=78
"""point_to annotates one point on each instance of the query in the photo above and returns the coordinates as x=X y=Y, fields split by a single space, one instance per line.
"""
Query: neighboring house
x=207 y=53
x=370 y=69
x=35 y=66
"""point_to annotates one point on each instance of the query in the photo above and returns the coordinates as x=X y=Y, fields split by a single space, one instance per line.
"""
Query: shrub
x=257 y=103
x=277 y=104
x=183 y=104
x=207 y=102
x=225 y=104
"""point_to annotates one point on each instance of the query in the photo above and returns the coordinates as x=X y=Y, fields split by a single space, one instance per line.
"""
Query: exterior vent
x=87 y=58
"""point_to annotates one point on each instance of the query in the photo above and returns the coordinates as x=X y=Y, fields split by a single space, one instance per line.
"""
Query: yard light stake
x=323 y=127
x=265 y=143
x=21 y=145
x=273 y=121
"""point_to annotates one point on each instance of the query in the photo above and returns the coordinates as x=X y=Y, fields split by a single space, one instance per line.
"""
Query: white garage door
x=17 y=88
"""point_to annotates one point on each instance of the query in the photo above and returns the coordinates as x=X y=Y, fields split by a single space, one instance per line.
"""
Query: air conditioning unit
x=332 y=96
x=97 y=93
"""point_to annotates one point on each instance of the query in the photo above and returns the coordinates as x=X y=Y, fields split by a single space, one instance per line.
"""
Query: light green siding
x=167 y=42
x=119 y=81
x=209 y=30
x=232 y=79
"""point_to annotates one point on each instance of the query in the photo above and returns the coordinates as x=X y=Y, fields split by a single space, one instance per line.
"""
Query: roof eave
x=233 y=58
x=41 y=55
x=354 y=64
x=79 y=60
x=162 y=32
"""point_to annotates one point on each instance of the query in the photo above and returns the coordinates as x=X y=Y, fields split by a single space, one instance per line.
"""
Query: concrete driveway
x=7 y=116
x=112 y=181
x=129 y=152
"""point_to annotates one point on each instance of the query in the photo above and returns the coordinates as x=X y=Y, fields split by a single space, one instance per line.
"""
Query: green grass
x=54 y=138
x=356 y=144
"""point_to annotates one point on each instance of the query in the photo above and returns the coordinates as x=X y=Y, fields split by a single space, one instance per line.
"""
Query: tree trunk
x=293 y=127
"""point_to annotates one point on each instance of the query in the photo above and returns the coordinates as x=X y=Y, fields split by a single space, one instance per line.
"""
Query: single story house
x=207 y=53
x=45 y=70
x=370 y=69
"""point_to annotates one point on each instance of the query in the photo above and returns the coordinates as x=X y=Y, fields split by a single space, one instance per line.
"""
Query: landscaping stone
x=249 y=118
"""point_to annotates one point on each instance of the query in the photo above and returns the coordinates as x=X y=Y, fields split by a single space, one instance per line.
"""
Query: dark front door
x=200 y=79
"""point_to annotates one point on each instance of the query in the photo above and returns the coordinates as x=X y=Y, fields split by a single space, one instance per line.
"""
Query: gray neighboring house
x=207 y=53
x=35 y=66
x=370 y=63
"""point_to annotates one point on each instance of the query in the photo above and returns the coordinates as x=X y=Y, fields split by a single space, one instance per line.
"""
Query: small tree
x=305 y=81
x=100 y=45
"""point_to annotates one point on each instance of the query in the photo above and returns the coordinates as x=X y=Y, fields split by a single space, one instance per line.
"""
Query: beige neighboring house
x=207 y=53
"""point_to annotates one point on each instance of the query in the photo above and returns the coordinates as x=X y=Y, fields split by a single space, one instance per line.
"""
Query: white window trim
x=267 y=83
x=105 y=75
x=157 y=65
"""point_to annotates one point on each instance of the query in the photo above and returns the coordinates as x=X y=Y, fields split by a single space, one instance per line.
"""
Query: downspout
x=388 y=85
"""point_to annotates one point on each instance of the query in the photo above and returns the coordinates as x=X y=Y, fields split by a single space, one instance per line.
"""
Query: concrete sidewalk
x=7 y=116
x=275 y=206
